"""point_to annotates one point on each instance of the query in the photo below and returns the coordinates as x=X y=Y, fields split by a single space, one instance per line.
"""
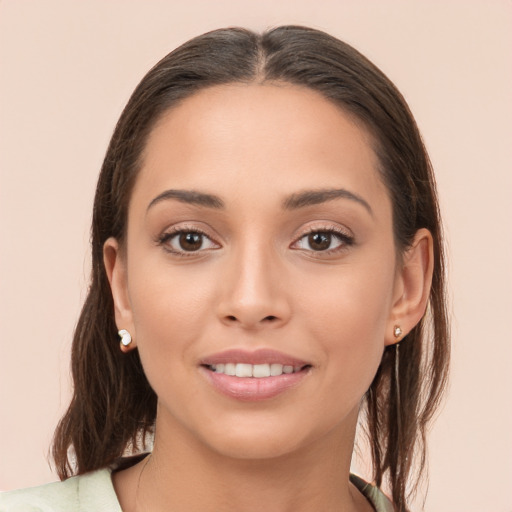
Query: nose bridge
x=253 y=293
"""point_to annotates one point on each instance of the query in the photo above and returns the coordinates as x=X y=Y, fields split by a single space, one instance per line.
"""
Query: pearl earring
x=126 y=337
x=397 y=332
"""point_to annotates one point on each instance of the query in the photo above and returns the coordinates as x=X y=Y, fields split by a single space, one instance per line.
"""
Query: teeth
x=230 y=369
x=261 y=370
x=276 y=369
x=243 y=370
x=257 y=371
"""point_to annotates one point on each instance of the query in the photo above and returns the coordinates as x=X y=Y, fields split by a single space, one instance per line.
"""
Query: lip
x=253 y=389
x=260 y=356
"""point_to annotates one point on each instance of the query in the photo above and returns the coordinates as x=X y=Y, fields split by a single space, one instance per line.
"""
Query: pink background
x=67 y=69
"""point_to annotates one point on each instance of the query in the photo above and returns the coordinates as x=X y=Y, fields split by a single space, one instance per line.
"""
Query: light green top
x=94 y=492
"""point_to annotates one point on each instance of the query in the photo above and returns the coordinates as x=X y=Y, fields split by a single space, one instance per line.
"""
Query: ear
x=115 y=266
x=412 y=287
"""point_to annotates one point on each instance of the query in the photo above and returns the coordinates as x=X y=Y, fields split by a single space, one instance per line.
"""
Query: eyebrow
x=189 y=197
x=312 y=197
x=293 y=202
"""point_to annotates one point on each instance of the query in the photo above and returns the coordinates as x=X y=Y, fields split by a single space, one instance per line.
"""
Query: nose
x=254 y=294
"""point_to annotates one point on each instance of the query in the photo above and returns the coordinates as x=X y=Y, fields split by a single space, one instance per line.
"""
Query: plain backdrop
x=66 y=70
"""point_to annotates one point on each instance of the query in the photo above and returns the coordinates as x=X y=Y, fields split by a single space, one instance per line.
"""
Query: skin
x=256 y=282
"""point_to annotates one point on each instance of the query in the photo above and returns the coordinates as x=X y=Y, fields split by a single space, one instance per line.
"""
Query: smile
x=257 y=371
x=253 y=376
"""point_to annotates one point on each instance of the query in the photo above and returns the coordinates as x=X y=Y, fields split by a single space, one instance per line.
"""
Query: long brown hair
x=113 y=406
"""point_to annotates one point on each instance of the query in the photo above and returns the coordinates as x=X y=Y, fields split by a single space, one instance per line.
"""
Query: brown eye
x=190 y=241
x=186 y=241
x=323 y=241
x=319 y=241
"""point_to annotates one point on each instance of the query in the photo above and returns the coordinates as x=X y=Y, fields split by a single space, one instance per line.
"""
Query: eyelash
x=168 y=236
x=344 y=239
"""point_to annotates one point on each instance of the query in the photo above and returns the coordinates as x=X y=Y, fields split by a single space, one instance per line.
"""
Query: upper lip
x=259 y=356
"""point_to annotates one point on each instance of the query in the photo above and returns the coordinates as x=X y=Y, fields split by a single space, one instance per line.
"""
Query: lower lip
x=251 y=389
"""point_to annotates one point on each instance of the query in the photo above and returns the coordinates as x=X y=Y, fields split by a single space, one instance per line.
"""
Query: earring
x=398 y=334
x=126 y=338
x=397 y=387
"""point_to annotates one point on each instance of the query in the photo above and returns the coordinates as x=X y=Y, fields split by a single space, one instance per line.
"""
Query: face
x=259 y=243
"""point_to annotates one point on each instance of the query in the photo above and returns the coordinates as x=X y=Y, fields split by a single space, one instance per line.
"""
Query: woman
x=266 y=242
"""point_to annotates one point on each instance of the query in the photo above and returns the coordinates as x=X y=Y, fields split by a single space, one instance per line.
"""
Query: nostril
x=232 y=319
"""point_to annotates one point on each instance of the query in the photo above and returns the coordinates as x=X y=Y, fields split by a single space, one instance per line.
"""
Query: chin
x=256 y=448
x=265 y=439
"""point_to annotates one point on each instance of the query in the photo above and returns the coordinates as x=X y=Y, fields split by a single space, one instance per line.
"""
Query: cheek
x=352 y=299
x=171 y=308
x=348 y=319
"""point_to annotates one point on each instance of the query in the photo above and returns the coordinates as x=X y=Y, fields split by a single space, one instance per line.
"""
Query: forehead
x=275 y=134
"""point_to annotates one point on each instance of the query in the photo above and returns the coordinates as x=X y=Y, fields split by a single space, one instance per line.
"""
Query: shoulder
x=373 y=494
x=92 y=492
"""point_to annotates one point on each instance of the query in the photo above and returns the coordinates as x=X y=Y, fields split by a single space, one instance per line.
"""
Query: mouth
x=254 y=376
x=256 y=371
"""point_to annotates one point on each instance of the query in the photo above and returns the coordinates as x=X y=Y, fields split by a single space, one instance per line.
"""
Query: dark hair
x=113 y=406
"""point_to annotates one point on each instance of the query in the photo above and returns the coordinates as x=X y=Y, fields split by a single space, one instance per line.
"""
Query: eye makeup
x=318 y=241
x=185 y=241
x=324 y=241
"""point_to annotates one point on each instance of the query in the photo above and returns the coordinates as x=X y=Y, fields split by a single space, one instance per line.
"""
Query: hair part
x=113 y=407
